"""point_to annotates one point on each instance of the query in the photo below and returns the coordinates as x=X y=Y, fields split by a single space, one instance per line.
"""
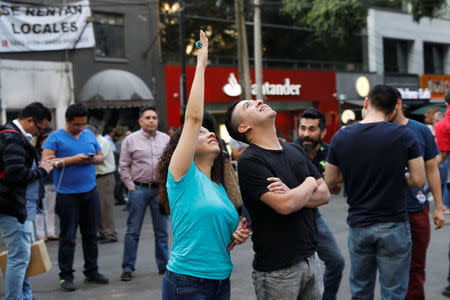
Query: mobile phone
x=90 y=154
x=234 y=241
x=58 y=163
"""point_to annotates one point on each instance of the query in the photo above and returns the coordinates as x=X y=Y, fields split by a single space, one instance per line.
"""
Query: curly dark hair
x=163 y=168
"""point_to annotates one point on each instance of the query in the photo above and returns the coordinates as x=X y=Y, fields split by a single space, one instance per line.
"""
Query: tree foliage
x=221 y=35
x=425 y=8
x=332 y=29
x=342 y=18
x=328 y=18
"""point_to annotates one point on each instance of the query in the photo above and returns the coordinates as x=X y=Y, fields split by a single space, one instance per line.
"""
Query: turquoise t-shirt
x=203 y=221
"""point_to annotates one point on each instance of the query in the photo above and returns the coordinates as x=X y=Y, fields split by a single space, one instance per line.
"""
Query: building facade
x=119 y=73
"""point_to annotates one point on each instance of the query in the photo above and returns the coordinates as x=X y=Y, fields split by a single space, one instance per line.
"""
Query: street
x=147 y=282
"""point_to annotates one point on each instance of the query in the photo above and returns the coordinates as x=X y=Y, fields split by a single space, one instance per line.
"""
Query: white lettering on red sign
x=420 y=94
x=233 y=88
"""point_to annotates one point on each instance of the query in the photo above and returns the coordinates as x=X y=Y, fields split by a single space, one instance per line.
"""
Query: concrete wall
x=140 y=30
x=397 y=25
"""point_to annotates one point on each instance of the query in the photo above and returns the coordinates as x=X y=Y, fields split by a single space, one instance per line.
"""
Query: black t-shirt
x=372 y=158
x=279 y=240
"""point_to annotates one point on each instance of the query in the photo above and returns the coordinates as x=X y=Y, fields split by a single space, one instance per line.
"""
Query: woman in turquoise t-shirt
x=204 y=220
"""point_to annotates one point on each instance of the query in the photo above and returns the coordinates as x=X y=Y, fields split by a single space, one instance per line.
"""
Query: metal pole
x=244 y=68
x=182 y=57
x=258 y=50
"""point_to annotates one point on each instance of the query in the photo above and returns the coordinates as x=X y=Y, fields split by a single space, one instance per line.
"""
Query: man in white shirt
x=105 y=186
x=108 y=134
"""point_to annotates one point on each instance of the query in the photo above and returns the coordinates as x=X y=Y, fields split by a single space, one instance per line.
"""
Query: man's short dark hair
x=384 y=98
x=144 y=109
x=37 y=111
x=75 y=110
x=399 y=95
x=314 y=114
x=447 y=97
x=232 y=128
x=108 y=130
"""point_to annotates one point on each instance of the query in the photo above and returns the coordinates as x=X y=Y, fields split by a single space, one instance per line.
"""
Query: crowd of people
x=267 y=188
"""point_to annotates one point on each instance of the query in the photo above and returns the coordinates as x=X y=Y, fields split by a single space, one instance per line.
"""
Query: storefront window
x=395 y=56
x=433 y=58
x=109 y=35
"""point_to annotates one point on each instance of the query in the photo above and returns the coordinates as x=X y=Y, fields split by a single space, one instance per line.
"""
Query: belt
x=151 y=184
x=101 y=175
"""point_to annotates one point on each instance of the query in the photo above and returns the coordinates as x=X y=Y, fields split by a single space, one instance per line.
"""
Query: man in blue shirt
x=77 y=203
x=370 y=158
x=418 y=206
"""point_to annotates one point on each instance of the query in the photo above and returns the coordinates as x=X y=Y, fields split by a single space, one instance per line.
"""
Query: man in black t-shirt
x=280 y=187
x=370 y=158
x=311 y=130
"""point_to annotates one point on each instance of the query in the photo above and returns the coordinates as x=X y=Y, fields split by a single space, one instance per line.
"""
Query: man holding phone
x=20 y=175
x=280 y=187
x=76 y=150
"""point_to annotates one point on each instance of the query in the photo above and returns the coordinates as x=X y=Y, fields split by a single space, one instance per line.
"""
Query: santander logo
x=233 y=88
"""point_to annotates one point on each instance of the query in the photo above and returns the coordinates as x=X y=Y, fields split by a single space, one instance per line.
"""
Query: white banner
x=41 y=28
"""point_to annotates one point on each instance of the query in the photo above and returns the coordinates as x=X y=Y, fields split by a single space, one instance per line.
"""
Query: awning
x=355 y=102
x=115 y=89
x=422 y=110
x=22 y=82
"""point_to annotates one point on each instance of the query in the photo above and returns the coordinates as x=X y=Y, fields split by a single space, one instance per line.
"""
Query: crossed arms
x=310 y=193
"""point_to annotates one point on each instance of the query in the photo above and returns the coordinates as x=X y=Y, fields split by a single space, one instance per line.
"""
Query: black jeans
x=73 y=210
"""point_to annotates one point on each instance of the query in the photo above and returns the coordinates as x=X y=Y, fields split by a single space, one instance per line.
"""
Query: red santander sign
x=222 y=85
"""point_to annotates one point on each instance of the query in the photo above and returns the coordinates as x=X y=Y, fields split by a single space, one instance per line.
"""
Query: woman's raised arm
x=184 y=152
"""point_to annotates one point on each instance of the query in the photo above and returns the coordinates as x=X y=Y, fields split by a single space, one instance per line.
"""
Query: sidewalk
x=147 y=281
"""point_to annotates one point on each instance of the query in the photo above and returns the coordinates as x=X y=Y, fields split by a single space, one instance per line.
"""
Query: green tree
x=221 y=35
x=342 y=18
x=328 y=18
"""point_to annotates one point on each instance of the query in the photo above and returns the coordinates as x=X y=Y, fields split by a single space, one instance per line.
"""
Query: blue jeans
x=382 y=246
x=329 y=252
x=18 y=238
x=443 y=172
x=73 y=210
x=138 y=201
x=183 y=287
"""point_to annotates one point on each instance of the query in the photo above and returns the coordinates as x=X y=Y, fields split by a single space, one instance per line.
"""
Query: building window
x=433 y=58
x=109 y=35
x=395 y=56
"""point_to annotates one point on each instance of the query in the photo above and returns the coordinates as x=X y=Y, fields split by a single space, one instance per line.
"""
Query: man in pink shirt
x=139 y=157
